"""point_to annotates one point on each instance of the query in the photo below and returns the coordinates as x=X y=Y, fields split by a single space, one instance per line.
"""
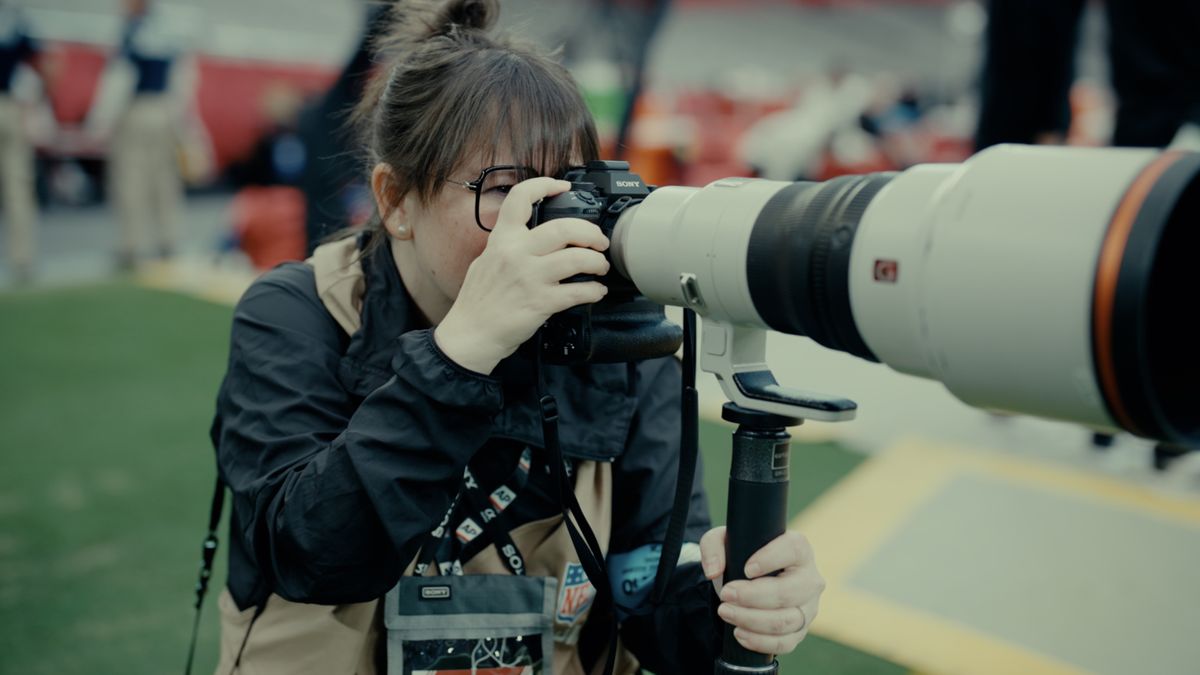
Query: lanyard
x=484 y=512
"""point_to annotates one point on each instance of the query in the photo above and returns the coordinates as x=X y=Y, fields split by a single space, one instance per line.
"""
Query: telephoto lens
x=1053 y=282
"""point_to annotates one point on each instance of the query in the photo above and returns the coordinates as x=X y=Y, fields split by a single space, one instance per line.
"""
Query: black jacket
x=342 y=453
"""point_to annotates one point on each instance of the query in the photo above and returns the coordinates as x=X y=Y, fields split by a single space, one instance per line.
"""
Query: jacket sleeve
x=333 y=495
x=682 y=635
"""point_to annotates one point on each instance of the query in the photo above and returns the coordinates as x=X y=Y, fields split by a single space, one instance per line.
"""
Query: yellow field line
x=850 y=521
x=222 y=286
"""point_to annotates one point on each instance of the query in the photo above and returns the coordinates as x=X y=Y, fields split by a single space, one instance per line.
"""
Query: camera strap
x=688 y=457
x=208 y=553
x=591 y=555
x=485 y=514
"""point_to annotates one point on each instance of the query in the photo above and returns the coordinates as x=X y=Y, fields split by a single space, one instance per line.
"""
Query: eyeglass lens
x=494 y=186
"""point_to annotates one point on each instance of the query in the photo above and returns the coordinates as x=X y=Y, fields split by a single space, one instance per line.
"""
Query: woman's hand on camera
x=770 y=614
x=513 y=287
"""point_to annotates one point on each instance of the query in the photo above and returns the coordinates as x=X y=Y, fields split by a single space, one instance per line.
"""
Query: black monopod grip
x=758 y=487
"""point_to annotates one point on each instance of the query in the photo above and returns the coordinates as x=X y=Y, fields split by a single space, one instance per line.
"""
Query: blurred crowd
x=137 y=123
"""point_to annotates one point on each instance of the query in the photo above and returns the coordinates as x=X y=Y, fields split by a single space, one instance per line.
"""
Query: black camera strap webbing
x=433 y=541
x=486 y=514
x=688 y=455
x=207 y=554
x=591 y=555
x=497 y=528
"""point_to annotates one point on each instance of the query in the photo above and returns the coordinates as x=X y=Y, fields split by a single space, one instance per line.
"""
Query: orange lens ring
x=1108 y=272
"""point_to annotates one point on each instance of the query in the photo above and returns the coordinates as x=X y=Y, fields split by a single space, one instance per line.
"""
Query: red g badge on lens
x=886 y=271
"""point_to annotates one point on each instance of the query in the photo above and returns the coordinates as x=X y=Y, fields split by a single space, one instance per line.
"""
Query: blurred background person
x=268 y=211
x=143 y=106
x=278 y=156
x=607 y=51
x=1029 y=68
x=336 y=197
x=1155 y=66
x=791 y=144
x=18 y=86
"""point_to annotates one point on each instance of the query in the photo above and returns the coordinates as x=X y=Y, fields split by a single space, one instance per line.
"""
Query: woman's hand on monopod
x=770 y=614
x=513 y=287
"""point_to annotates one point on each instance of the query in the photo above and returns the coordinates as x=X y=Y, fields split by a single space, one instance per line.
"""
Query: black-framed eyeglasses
x=491 y=188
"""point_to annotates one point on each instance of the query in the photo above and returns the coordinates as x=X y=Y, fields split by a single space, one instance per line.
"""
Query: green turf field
x=107 y=472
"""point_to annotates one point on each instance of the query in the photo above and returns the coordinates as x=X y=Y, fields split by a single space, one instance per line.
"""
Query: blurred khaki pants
x=144 y=183
x=17 y=191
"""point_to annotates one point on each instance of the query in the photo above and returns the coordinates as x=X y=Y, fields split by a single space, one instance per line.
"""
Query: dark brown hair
x=448 y=89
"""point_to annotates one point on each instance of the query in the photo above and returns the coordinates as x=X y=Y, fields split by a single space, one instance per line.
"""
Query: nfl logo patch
x=576 y=594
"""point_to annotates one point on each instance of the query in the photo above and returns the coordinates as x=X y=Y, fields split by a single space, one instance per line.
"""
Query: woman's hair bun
x=477 y=14
x=419 y=20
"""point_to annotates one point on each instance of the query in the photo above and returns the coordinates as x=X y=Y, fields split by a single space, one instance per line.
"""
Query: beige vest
x=292 y=638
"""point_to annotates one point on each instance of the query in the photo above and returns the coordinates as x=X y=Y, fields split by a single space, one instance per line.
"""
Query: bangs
x=534 y=115
x=500 y=106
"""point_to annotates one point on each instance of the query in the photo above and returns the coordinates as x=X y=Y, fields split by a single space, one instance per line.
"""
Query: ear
x=393 y=207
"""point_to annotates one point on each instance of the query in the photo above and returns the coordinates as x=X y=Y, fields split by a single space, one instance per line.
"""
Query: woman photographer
x=378 y=424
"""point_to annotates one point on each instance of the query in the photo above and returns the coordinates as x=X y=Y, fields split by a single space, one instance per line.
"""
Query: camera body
x=625 y=325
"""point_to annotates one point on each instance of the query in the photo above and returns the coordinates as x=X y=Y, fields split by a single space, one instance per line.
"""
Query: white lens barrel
x=1057 y=282
x=701 y=234
x=998 y=264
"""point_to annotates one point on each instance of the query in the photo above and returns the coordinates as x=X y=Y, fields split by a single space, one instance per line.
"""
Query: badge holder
x=482 y=624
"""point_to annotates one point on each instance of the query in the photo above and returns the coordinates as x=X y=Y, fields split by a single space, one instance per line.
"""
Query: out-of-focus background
x=139 y=201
